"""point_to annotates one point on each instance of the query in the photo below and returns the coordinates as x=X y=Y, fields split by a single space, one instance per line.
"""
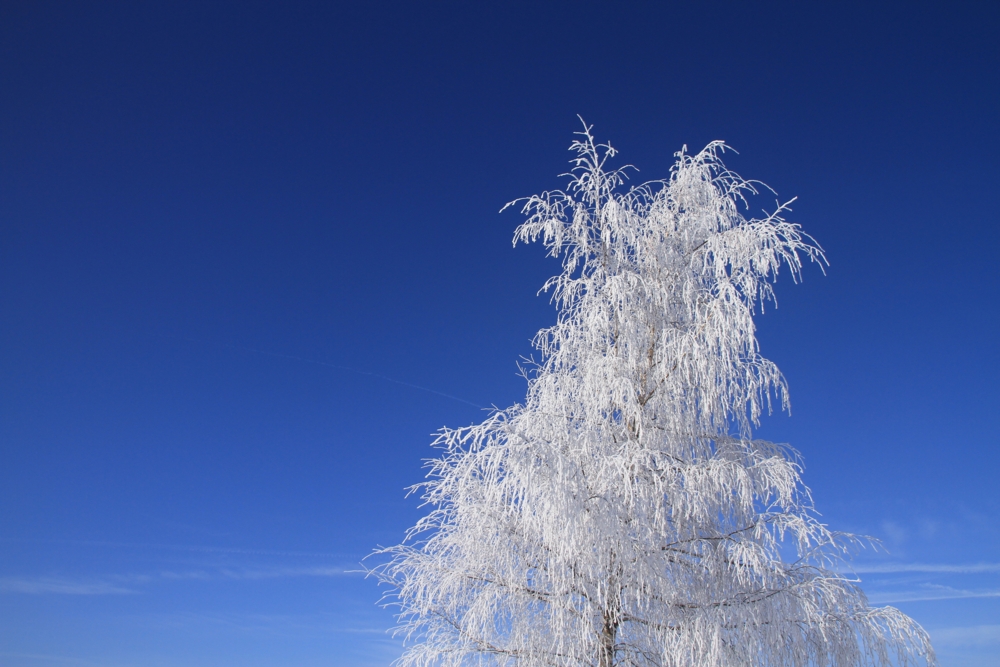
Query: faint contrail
x=338 y=367
x=172 y=547
x=893 y=568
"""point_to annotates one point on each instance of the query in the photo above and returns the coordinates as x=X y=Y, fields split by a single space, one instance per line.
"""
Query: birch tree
x=624 y=514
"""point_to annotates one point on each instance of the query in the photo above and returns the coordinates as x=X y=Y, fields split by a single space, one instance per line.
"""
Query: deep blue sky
x=237 y=239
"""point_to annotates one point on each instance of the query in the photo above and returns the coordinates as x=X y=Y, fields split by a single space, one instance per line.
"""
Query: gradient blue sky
x=250 y=259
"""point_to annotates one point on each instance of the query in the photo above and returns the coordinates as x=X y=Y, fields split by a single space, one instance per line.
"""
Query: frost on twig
x=624 y=514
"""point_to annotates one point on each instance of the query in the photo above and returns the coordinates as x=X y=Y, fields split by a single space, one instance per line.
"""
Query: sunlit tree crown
x=624 y=514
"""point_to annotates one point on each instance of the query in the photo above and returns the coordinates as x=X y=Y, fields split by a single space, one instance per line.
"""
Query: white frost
x=624 y=515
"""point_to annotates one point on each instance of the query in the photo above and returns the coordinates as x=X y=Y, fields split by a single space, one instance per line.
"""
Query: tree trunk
x=609 y=630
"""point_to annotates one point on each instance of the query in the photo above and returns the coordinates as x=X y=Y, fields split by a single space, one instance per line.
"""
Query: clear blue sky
x=250 y=258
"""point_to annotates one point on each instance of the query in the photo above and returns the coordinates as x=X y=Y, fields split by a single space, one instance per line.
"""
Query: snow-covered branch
x=624 y=514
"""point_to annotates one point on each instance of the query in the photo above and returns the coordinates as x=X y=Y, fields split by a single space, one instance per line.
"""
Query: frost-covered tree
x=624 y=514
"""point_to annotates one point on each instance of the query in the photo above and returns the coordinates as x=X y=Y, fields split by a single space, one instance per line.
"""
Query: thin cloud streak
x=322 y=623
x=327 y=364
x=935 y=593
x=53 y=658
x=977 y=636
x=63 y=586
x=255 y=574
x=359 y=372
x=177 y=547
x=45 y=585
x=893 y=568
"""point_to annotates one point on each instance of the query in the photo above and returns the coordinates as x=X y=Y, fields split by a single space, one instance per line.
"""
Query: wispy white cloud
x=978 y=636
x=358 y=621
x=45 y=658
x=286 y=572
x=43 y=585
x=930 y=592
x=115 y=584
x=893 y=568
x=173 y=547
x=257 y=573
x=187 y=575
x=895 y=532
